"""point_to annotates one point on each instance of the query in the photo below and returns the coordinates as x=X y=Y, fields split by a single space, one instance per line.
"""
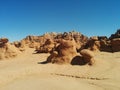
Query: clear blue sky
x=19 y=18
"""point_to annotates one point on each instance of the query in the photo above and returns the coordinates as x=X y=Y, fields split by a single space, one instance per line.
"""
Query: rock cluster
x=40 y=43
x=115 y=41
x=116 y=35
x=95 y=43
x=47 y=47
x=102 y=43
x=75 y=48
x=68 y=47
x=66 y=52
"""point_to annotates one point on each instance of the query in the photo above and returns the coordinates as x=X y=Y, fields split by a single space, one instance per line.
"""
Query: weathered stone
x=115 y=43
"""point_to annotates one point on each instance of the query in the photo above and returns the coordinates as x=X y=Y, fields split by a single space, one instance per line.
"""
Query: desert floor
x=25 y=72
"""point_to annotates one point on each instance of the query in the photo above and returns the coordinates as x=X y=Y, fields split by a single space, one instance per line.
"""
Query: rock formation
x=88 y=56
x=47 y=47
x=116 y=35
x=68 y=47
x=78 y=37
x=100 y=43
x=64 y=52
x=115 y=44
x=115 y=41
x=93 y=44
x=7 y=50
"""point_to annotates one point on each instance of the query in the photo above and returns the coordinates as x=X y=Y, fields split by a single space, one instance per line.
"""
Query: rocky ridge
x=67 y=47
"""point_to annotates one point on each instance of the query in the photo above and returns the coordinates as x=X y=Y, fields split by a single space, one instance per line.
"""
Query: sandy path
x=24 y=72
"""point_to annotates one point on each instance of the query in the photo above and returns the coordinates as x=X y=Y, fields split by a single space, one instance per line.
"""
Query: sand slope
x=25 y=72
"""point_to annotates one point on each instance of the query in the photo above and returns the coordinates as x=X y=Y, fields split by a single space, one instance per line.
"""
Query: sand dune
x=25 y=72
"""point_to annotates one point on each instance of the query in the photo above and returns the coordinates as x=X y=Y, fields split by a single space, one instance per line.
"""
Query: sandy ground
x=26 y=73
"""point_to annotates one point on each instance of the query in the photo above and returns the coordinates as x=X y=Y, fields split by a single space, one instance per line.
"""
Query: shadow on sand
x=78 y=60
x=44 y=62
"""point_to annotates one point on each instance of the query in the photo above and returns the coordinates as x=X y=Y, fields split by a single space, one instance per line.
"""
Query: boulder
x=88 y=56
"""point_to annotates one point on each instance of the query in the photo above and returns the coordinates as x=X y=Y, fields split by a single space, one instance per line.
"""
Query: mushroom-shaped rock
x=4 y=40
x=64 y=52
x=88 y=56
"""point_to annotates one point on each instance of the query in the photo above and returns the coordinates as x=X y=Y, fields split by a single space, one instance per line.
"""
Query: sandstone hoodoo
x=116 y=35
x=37 y=41
x=7 y=49
x=88 y=56
x=53 y=38
x=67 y=51
x=64 y=52
x=115 y=44
x=93 y=44
x=3 y=41
x=102 y=43
x=47 y=47
x=115 y=41
x=50 y=42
